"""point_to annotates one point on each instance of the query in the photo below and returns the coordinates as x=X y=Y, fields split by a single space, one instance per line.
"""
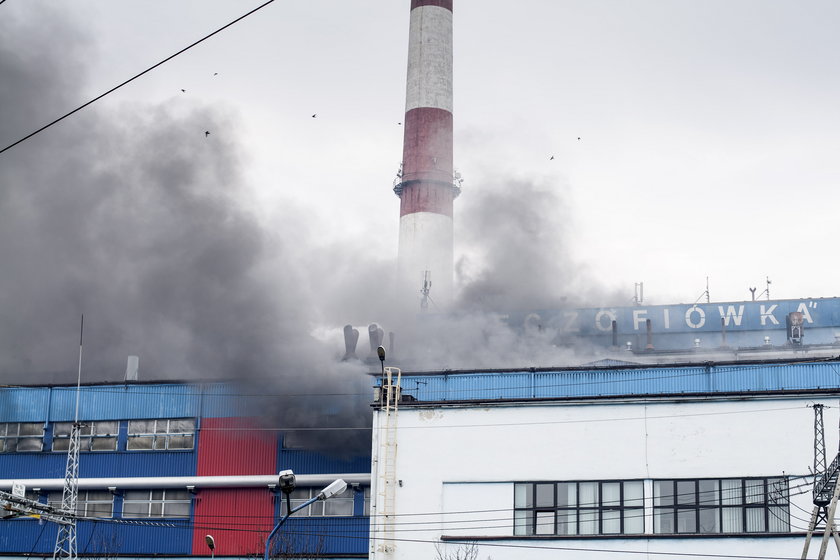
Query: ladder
x=387 y=481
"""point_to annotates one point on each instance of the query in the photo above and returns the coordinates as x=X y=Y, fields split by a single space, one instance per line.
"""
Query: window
x=156 y=503
x=90 y=503
x=21 y=436
x=727 y=505
x=579 y=508
x=166 y=434
x=340 y=505
x=93 y=436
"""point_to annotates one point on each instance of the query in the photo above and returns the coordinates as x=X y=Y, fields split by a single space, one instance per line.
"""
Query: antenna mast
x=65 y=542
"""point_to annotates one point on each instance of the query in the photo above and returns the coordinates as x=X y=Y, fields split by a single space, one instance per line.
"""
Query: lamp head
x=381 y=353
x=211 y=544
x=334 y=489
x=286 y=480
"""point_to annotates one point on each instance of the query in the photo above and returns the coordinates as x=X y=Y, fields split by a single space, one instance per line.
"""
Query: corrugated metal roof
x=622 y=381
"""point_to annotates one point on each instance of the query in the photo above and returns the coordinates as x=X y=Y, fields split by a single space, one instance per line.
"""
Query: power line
x=147 y=70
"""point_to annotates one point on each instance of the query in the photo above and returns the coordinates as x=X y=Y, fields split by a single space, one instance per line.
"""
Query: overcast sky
x=691 y=139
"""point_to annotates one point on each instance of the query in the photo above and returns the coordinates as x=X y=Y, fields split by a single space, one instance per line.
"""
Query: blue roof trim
x=622 y=381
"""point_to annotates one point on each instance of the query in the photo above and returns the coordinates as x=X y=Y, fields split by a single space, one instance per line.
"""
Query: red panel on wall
x=233 y=446
x=238 y=518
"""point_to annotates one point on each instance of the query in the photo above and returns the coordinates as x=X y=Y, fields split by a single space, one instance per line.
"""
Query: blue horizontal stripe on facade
x=325 y=535
x=619 y=381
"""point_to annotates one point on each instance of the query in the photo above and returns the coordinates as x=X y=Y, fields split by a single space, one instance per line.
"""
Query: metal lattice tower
x=826 y=491
x=65 y=542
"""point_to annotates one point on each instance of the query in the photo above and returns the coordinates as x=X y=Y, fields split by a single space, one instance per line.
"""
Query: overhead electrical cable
x=146 y=71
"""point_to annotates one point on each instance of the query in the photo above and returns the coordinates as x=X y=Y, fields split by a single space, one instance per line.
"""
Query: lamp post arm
x=285 y=517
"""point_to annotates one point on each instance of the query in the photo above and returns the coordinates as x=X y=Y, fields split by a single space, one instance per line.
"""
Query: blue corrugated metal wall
x=569 y=383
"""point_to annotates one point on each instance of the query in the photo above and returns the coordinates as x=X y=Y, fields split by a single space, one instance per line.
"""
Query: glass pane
x=62 y=444
x=104 y=444
x=135 y=495
x=588 y=522
x=634 y=494
x=158 y=494
x=522 y=495
x=545 y=495
x=182 y=426
x=161 y=426
x=522 y=523
x=98 y=496
x=686 y=492
x=106 y=428
x=731 y=492
x=85 y=429
x=11 y=444
x=566 y=494
x=663 y=493
x=709 y=520
x=338 y=506
x=61 y=429
x=755 y=520
x=139 y=443
x=588 y=494
x=778 y=520
x=316 y=509
x=567 y=522
x=160 y=442
x=545 y=523
x=32 y=429
x=135 y=509
x=156 y=509
x=754 y=492
x=733 y=520
x=709 y=492
x=611 y=522
x=100 y=510
x=4 y=429
x=611 y=494
x=29 y=444
x=177 y=509
x=180 y=442
x=141 y=426
x=687 y=521
x=177 y=495
x=777 y=491
x=634 y=521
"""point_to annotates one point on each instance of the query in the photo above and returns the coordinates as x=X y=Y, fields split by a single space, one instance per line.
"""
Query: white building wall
x=457 y=466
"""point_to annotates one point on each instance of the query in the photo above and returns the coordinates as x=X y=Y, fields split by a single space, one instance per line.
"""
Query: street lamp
x=211 y=544
x=287 y=485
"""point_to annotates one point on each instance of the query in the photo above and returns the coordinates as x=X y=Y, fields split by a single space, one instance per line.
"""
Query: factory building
x=611 y=458
x=163 y=465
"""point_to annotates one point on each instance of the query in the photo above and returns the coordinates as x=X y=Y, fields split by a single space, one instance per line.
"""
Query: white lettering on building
x=639 y=318
x=571 y=322
x=599 y=322
x=701 y=320
x=806 y=315
x=768 y=314
x=732 y=315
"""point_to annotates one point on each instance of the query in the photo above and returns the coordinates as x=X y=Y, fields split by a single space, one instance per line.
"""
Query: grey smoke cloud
x=135 y=218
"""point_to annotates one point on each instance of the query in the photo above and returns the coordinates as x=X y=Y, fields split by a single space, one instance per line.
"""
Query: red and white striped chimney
x=426 y=189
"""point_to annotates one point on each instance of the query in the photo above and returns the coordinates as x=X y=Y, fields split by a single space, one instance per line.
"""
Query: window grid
x=93 y=436
x=21 y=436
x=579 y=508
x=90 y=503
x=161 y=435
x=727 y=505
x=338 y=506
x=156 y=504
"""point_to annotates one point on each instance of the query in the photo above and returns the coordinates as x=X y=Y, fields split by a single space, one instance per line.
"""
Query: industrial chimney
x=426 y=188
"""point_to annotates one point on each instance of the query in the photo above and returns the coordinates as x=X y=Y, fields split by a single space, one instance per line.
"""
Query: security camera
x=287 y=481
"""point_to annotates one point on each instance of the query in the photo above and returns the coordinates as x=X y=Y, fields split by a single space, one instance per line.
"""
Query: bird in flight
x=206 y=133
x=183 y=91
x=314 y=115
x=215 y=73
x=578 y=137
x=551 y=158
